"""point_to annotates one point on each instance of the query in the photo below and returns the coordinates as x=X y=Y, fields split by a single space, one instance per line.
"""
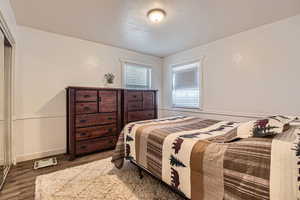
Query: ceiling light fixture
x=156 y=15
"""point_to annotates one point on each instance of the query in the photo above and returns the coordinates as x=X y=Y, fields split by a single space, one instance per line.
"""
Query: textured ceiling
x=123 y=23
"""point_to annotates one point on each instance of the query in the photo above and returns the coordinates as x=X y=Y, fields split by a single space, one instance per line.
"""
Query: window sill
x=186 y=108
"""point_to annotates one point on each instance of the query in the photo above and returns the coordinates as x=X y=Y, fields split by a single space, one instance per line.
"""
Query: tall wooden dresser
x=95 y=116
x=139 y=105
x=93 y=119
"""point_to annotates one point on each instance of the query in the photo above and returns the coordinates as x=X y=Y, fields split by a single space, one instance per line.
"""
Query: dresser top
x=104 y=88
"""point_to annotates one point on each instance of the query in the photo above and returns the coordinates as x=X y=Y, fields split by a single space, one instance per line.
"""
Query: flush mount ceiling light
x=156 y=15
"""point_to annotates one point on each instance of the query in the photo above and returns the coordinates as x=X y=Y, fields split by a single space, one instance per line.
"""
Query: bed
x=211 y=159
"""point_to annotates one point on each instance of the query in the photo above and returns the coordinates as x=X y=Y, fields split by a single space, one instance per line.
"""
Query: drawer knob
x=110 y=130
x=134 y=96
x=83 y=134
x=82 y=120
x=86 y=96
x=109 y=118
x=83 y=147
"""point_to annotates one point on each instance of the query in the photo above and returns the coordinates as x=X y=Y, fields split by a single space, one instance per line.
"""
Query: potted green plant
x=109 y=78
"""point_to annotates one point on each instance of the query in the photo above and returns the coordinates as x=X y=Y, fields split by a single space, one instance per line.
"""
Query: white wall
x=47 y=64
x=256 y=72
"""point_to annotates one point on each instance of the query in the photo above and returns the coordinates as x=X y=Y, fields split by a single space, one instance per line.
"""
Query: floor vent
x=45 y=163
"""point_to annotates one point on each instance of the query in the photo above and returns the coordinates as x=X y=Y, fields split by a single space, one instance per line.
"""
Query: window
x=136 y=76
x=186 y=85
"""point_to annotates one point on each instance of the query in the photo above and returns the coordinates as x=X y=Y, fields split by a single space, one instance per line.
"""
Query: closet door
x=3 y=163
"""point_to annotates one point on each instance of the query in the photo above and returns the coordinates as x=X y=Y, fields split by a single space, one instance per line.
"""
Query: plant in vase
x=109 y=79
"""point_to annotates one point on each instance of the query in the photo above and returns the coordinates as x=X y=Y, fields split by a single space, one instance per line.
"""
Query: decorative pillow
x=263 y=127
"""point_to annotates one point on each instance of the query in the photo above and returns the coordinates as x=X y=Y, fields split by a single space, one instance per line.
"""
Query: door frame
x=10 y=67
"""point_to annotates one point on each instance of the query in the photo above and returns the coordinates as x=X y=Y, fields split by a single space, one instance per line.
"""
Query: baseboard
x=39 y=155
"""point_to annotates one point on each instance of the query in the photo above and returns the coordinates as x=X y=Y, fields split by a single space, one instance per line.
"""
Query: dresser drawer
x=135 y=105
x=134 y=96
x=86 y=95
x=106 y=107
x=95 y=145
x=140 y=115
x=89 y=107
x=94 y=132
x=95 y=119
x=148 y=100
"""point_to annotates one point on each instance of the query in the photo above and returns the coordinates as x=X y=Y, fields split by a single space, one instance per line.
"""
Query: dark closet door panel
x=86 y=95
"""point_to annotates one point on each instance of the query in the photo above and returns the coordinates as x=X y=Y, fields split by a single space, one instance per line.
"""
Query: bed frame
x=141 y=169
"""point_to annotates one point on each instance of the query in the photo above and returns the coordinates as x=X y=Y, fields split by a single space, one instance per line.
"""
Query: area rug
x=100 y=180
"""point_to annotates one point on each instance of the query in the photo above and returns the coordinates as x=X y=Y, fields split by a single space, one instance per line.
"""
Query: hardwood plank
x=20 y=183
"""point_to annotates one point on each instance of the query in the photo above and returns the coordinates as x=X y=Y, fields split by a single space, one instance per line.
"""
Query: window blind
x=137 y=76
x=186 y=89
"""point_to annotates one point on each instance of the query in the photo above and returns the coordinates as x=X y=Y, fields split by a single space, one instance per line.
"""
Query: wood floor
x=20 y=183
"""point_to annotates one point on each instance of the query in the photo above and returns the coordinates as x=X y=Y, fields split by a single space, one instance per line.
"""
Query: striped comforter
x=204 y=159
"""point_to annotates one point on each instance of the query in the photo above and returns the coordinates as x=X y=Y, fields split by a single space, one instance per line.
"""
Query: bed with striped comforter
x=205 y=159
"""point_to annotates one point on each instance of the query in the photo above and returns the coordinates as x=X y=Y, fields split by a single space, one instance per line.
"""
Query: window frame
x=200 y=84
x=141 y=64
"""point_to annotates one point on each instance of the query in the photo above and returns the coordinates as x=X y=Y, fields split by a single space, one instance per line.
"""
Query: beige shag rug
x=100 y=180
